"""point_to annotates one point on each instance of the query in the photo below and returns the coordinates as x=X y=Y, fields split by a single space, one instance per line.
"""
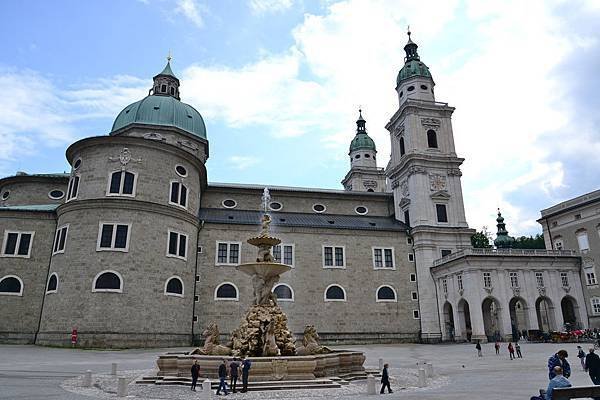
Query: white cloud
x=268 y=6
x=243 y=162
x=192 y=10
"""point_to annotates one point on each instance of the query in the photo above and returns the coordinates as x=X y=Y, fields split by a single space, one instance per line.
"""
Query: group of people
x=511 y=349
x=235 y=368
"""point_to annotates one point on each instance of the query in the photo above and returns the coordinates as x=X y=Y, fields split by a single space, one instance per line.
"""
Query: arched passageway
x=569 y=310
x=544 y=310
x=492 y=322
x=519 y=319
x=464 y=318
x=448 y=321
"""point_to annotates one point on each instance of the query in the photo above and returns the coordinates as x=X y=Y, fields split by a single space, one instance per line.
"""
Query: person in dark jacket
x=478 y=347
x=581 y=356
x=559 y=360
x=234 y=366
x=222 y=378
x=518 y=350
x=246 y=364
x=511 y=351
x=195 y=373
x=592 y=366
x=385 y=380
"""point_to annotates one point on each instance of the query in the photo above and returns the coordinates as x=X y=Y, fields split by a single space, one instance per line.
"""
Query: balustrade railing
x=504 y=252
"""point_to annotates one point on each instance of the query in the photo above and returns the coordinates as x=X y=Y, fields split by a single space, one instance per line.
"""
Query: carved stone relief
x=125 y=157
x=437 y=182
x=370 y=184
x=430 y=123
x=404 y=188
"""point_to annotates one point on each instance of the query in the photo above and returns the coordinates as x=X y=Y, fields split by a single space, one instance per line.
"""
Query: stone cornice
x=112 y=203
x=422 y=162
x=415 y=105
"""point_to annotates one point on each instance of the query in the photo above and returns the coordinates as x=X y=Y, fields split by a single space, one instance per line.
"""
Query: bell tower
x=424 y=172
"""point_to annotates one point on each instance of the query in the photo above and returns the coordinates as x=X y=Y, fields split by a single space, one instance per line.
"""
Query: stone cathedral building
x=134 y=247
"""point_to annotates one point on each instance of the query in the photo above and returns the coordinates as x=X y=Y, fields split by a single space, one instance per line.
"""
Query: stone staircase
x=322 y=383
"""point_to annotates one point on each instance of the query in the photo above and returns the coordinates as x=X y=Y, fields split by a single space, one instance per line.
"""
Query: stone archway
x=464 y=318
x=519 y=316
x=448 y=321
x=569 y=308
x=544 y=310
x=492 y=321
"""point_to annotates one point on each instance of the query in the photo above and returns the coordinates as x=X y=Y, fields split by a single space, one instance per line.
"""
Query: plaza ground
x=30 y=372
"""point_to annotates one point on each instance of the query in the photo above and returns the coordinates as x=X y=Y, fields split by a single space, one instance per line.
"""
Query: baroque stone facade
x=135 y=248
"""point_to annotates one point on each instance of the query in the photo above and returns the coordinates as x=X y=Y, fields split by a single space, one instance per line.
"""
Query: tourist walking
x=195 y=373
x=385 y=380
x=234 y=366
x=497 y=347
x=581 y=356
x=559 y=360
x=222 y=378
x=478 y=347
x=592 y=366
x=246 y=364
x=511 y=351
x=518 y=350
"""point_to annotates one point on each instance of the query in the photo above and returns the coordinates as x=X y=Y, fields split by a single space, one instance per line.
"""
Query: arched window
x=402 y=151
x=11 y=285
x=432 y=139
x=121 y=183
x=284 y=292
x=52 y=283
x=174 y=286
x=335 y=293
x=386 y=293
x=108 y=281
x=226 y=291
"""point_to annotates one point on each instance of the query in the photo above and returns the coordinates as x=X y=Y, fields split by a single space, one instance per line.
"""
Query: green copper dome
x=164 y=111
x=163 y=107
x=413 y=68
x=361 y=141
x=503 y=241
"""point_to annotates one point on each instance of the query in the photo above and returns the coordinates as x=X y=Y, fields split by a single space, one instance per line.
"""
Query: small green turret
x=362 y=141
x=503 y=241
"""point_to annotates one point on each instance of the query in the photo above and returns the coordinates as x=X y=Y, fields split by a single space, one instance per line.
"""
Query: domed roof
x=361 y=141
x=413 y=68
x=162 y=110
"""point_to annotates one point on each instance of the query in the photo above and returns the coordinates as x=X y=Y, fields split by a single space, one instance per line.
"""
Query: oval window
x=56 y=194
x=181 y=171
x=5 y=195
x=229 y=203
x=410 y=88
x=401 y=94
x=319 y=208
x=361 y=210
x=275 y=206
x=424 y=87
x=367 y=156
x=77 y=163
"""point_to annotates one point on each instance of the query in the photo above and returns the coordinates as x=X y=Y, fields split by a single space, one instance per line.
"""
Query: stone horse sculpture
x=310 y=343
x=212 y=346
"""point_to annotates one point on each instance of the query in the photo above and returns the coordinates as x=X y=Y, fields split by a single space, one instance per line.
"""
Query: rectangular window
x=514 y=280
x=590 y=275
x=73 y=187
x=383 y=258
x=577 y=216
x=60 y=239
x=17 y=244
x=414 y=296
x=177 y=245
x=407 y=218
x=228 y=253
x=196 y=298
x=411 y=257
x=582 y=241
x=413 y=277
x=122 y=183
x=487 y=280
x=442 y=215
x=113 y=237
x=178 y=194
x=459 y=282
x=288 y=254
x=408 y=240
x=445 y=286
x=446 y=252
x=333 y=257
x=416 y=314
x=564 y=279
x=595 y=305
x=539 y=279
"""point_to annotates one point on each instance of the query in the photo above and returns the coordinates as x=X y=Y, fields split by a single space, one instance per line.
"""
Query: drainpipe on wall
x=195 y=275
x=549 y=234
x=45 y=284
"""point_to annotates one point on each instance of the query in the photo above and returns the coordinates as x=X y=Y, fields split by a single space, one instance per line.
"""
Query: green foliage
x=529 y=242
x=481 y=239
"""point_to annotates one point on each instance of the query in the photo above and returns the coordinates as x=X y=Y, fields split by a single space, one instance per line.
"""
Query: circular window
x=229 y=203
x=275 y=206
x=319 y=208
x=362 y=210
x=424 y=87
x=410 y=89
x=56 y=194
x=181 y=171
x=357 y=156
x=5 y=195
x=367 y=156
x=401 y=94
x=77 y=163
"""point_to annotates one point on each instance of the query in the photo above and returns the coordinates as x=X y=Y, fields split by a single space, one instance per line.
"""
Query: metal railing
x=505 y=252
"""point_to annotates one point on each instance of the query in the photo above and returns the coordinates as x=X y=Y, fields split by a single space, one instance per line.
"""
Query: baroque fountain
x=263 y=334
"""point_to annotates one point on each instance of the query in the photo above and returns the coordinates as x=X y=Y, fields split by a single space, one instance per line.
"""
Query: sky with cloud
x=279 y=83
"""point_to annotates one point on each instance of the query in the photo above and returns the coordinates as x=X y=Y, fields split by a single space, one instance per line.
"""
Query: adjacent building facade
x=135 y=248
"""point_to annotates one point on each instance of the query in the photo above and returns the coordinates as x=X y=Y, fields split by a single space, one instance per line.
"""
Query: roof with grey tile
x=243 y=217
x=217 y=185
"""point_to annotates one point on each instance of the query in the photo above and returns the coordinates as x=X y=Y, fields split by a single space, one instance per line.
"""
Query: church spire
x=502 y=239
x=166 y=83
x=360 y=123
x=411 y=49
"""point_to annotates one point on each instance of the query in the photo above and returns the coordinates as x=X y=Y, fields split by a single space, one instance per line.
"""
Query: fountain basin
x=263 y=241
x=263 y=269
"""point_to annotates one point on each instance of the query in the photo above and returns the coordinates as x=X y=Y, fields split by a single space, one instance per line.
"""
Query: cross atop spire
x=169 y=58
